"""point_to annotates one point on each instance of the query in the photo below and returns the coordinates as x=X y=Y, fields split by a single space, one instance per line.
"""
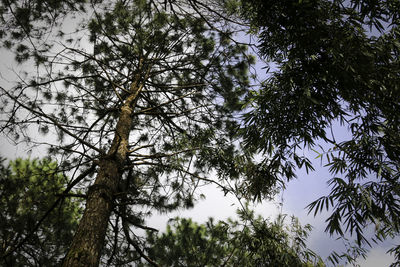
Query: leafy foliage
x=251 y=241
x=337 y=62
x=28 y=189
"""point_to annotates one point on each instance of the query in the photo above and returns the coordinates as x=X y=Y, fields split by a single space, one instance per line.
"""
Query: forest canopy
x=142 y=102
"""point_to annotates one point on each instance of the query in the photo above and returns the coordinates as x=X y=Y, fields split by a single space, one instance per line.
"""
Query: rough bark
x=86 y=247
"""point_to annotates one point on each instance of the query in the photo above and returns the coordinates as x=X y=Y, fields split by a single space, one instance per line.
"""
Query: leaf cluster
x=28 y=188
x=249 y=241
x=337 y=62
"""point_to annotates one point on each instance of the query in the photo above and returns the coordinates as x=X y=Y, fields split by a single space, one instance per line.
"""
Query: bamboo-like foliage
x=336 y=92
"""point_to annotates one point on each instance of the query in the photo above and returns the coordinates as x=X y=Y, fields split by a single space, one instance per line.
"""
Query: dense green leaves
x=251 y=241
x=28 y=189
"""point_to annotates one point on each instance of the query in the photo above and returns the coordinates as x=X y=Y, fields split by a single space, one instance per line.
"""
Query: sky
x=298 y=194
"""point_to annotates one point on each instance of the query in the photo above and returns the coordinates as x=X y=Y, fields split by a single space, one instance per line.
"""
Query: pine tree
x=143 y=99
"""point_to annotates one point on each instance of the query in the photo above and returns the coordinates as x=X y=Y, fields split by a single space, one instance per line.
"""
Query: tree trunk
x=86 y=247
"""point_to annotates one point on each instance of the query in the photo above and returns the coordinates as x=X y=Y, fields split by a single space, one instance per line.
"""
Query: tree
x=250 y=241
x=28 y=189
x=143 y=96
x=337 y=62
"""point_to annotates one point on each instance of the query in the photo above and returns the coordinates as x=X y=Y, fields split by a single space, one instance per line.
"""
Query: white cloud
x=377 y=257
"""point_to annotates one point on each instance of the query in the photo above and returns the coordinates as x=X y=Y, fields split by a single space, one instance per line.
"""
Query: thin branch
x=71 y=195
x=162 y=155
x=53 y=120
x=144 y=227
x=138 y=148
x=125 y=227
x=112 y=84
